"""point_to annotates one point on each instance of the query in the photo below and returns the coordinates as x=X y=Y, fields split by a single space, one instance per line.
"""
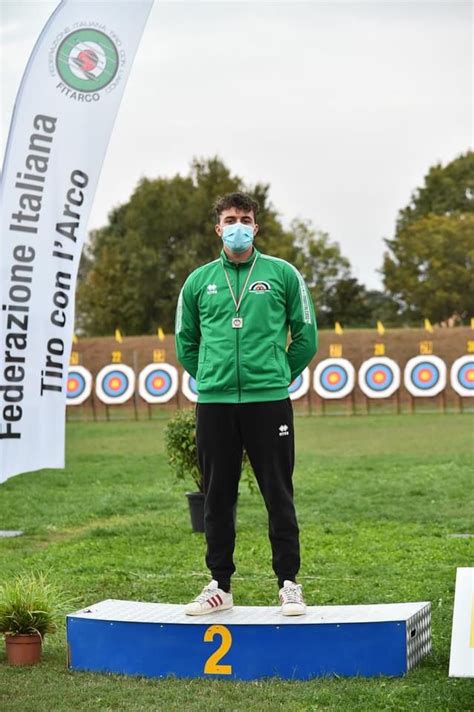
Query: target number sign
x=379 y=377
x=79 y=385
x=158 y=382
x=115 y=384
x=425 y=376
x=189 y=387
x=462 y=376
x=334 y=378
x=300 y=386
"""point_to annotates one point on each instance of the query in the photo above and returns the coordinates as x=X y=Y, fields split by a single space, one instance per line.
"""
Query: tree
x=382 y=307
x=428 y=269
x=431 y=270
x=135 y=265
x=336 y=294
x=347 y=303
x=447 y=190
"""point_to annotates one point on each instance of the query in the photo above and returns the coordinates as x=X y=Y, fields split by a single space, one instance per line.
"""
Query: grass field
x=380 y=500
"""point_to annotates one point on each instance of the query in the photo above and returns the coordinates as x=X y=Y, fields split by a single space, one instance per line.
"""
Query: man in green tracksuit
x=232 y=323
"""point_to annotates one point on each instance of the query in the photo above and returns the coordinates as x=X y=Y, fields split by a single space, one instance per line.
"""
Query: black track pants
x=266 y=432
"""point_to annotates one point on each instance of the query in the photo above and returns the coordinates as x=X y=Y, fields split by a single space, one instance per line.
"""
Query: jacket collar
x=228 y=262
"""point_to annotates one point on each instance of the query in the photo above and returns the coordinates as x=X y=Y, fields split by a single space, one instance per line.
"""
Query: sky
x=341 y=107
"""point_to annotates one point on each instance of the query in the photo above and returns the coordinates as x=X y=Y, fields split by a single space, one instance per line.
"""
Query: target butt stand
x=248 y=643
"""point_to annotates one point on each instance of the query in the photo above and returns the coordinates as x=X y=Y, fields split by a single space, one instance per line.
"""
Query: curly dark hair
x=238 y=200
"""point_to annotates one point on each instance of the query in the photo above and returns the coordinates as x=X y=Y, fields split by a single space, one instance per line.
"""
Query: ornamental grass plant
x=30 y=603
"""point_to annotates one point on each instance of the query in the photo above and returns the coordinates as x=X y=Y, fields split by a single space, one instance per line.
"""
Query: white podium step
x=246 y=643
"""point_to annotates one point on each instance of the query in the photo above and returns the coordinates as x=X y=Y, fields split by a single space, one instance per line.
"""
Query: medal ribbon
x=238 y=302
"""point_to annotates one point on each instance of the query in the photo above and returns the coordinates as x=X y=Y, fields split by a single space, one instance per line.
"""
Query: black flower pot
x=196 y=510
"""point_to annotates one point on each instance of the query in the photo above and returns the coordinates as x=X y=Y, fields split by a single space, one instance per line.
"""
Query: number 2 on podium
x=212 y=667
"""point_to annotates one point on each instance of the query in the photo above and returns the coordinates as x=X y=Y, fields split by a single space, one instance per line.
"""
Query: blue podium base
x=247 y=643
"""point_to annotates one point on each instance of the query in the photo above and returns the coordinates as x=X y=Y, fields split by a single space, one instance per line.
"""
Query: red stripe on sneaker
x=219 y=599
x=212 y=601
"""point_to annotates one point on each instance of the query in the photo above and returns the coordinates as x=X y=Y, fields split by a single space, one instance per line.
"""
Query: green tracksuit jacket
x=250 y=364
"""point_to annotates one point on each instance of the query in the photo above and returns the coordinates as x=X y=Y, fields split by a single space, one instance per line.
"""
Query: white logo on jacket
x=259 y=287
x=212 y=288
x=283 y=430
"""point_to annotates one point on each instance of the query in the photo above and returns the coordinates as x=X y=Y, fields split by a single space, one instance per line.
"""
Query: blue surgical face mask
x=237 y=237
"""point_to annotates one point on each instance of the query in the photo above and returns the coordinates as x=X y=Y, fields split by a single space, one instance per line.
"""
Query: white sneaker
x=291 y=599
x=211 y=599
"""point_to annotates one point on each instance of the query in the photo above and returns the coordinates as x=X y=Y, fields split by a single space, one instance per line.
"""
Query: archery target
x=425 y=376
x=379 y=377
x=158 y=382
x=334 y=378
x=462 y=376
x=189 y=387
x=115 y=384
x=79 y=385
x=300 y=386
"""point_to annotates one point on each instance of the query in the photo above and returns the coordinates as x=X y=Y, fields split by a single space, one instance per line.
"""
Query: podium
x=247 y=643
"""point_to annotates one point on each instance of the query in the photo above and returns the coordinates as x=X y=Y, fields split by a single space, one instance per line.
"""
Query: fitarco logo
x=87 y=61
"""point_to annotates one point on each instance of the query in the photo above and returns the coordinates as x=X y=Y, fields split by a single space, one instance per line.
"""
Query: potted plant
x=180 y=440
x=30 y=607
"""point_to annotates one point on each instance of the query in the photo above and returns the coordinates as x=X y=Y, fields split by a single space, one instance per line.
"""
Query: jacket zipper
x=237 y=345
